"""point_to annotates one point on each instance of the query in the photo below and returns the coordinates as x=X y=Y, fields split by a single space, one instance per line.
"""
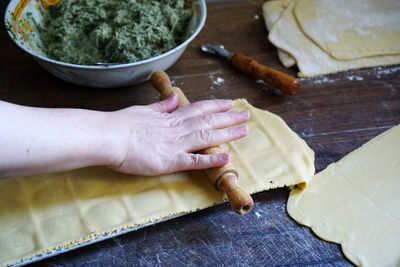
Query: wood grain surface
x=335 y=114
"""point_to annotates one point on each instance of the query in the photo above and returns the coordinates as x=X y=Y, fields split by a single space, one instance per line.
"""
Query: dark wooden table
x=335 y=114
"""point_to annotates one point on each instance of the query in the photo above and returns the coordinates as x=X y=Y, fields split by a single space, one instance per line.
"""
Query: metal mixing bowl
x=112 y=75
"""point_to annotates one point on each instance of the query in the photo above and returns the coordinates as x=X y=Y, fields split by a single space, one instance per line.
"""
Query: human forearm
x=38 y=140
x=144 y=140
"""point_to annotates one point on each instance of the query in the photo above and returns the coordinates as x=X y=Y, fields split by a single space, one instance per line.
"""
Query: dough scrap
x=351 y=29
x=356 y=202
x=43 y=213
x=311 y=59
x=272 y=11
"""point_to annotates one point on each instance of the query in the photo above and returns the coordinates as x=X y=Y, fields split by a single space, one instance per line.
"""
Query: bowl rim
x=203 y=10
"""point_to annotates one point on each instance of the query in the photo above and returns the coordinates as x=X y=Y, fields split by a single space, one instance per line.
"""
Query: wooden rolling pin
x=224 y=178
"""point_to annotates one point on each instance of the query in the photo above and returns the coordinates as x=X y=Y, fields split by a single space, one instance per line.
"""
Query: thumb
x=167 y=105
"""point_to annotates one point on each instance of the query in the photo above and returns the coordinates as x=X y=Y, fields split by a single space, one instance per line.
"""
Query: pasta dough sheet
x=312 y=60
x=351 y=29
x=272 y=11
x=356 y=202
x=43 y=213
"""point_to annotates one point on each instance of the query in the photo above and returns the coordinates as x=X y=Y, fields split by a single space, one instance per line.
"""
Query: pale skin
x=149 y=140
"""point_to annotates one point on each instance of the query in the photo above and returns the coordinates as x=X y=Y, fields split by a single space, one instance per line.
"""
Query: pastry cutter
x=279 y=80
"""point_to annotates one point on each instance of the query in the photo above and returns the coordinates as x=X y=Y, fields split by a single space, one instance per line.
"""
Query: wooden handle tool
x=286 y=83
x=279 y=80
x=224 y=178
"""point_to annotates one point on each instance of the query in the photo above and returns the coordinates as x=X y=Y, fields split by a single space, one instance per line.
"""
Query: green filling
x=112 y=31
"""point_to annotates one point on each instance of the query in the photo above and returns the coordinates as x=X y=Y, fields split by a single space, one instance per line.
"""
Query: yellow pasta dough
x=272 y=11
x=351 y=29
x=287 y=35
x=43 y=213
x=356 y=202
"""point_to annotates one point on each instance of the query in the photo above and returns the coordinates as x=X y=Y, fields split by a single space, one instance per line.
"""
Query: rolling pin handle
x=162 y=84
x=240 y=201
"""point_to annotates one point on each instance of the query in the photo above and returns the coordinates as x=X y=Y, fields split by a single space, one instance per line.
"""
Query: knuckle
x=220 y=104
x=205 y=136
x=173 y=122
x=169 y=121
x=223 y=104
x=208 y=119
x=233 y=116
x=194 y=160
x=198 y=105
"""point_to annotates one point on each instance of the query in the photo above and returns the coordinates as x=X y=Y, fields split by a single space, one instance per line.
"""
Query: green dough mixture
x=112 y=31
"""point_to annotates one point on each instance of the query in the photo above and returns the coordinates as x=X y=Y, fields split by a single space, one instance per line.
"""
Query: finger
x=167 y=105
x=216 y=120
x=208 y=138
x=202 y=107
x=191 y=161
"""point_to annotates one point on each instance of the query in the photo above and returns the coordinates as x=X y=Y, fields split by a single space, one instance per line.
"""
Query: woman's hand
x=145 y=140
x=160 y=138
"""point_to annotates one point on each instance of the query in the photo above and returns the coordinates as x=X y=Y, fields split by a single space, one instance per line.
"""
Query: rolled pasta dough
x=356 y=202
x=272 y=11
x=351 y=29
x=51 y=212
x=311 y=59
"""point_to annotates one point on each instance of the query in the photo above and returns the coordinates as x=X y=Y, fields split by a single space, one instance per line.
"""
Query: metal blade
x=217 y=49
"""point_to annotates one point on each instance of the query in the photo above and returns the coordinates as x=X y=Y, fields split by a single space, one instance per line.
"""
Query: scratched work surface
x=335 y=114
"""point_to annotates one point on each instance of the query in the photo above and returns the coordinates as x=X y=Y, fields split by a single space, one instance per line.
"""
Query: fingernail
x=172 y=94
x=225 y=156
x=227 y=102
x=245 y=114
x=243 y=129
